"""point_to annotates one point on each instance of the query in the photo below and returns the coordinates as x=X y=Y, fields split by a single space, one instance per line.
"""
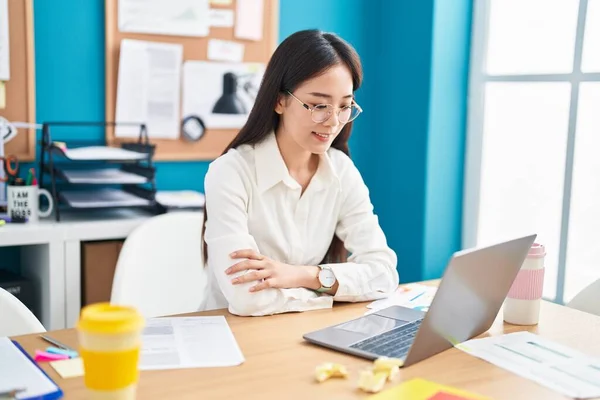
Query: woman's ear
x=280 y=105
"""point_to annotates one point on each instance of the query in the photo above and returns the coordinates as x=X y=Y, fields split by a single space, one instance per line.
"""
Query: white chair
x=15 y=318
x=160 y=270
x=588 y=299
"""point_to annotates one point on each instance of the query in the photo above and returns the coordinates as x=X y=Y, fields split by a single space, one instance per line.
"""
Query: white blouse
x=252 y=202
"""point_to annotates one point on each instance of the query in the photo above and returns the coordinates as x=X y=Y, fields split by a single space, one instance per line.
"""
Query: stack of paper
x=414 y=295
x=102 y=198
x=103 y=153
x=180 y=199
x=557 y=367
x=103 y=175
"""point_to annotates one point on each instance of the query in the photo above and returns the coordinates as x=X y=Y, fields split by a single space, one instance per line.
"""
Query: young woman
x=285 y=203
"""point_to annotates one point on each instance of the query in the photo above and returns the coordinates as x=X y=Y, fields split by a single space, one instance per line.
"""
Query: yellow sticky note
x=421 y=389
x=2 y=94
x=70 y=368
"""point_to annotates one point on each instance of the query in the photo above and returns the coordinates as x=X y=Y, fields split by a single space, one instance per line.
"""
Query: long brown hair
x=300 y=57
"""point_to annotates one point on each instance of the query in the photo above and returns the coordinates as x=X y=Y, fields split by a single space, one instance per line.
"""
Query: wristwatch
x=326 y=279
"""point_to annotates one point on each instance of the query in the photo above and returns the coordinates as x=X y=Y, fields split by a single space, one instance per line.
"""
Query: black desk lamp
x=230 y=102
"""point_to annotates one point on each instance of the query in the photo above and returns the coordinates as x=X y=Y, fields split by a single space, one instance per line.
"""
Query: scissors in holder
x=11 y=169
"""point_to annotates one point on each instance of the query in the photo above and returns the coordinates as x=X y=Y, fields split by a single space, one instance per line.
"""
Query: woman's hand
x=271 y=273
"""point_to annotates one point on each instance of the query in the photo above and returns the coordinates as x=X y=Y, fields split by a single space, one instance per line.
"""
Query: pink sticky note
x=45 y=356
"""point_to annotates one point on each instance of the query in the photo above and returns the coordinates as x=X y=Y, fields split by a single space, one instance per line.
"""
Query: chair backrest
x=159 y=270
x=15 y=318
x=588 y=299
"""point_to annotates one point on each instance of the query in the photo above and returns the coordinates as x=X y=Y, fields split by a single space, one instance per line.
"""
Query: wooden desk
x=280 y=365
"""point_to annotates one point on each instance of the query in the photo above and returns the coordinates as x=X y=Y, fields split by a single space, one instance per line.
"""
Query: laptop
x=471 y=292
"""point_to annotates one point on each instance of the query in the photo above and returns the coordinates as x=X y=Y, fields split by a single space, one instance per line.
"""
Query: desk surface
x=280 y=365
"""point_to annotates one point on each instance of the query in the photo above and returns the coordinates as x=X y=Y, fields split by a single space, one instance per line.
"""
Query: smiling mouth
x=322 y=135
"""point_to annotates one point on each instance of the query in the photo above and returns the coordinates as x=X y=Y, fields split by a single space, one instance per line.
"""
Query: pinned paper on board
x=249 y=21
x=2 y=95
x=173 y=17
x=220 y=94
x=224 y=50
x=148 y=88
x=220 y=18
x=4 y=42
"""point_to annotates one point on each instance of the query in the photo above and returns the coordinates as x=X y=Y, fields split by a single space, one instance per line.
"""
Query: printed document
x=188 y=342
x=555 y=366
x=148 y=88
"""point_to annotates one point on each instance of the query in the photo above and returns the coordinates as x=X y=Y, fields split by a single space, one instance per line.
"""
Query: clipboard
x=57 y=394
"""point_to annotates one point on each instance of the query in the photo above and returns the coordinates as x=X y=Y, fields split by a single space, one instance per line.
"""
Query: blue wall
x=408 y=144
x=446 y=139
x=403 y=46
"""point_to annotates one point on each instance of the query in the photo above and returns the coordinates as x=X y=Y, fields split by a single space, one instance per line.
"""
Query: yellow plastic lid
x=109 y=318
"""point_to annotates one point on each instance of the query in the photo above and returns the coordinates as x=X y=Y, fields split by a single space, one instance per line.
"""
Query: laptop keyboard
x=393 y=343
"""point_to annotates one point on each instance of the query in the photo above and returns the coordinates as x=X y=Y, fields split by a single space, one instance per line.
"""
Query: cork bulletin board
x=214 y=141
x=20 y=88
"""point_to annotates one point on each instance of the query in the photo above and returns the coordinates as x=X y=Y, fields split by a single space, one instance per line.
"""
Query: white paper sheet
x=17 y=371
x=224 y=50
x=102 y=198
x=101 y=153
x=188 y=342
x=180 y=199
x=206 y=77
x=161 y=17
x=550 y=364
x=414 y=295
x=148 y=89
x=221 y=18
x=4 y=42
x=104 y=175
x=249 y=19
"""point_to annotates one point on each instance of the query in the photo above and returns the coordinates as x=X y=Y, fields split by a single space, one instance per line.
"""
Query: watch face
x=326 y=277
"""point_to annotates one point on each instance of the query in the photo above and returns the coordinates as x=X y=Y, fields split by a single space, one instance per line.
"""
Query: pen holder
x=24 y=202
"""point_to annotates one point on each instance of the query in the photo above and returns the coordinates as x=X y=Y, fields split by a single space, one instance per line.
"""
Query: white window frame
x=477 y=80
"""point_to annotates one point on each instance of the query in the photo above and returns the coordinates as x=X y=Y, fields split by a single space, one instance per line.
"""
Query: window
x=534 y=134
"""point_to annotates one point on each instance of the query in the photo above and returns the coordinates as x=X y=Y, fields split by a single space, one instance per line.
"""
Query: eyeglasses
x=322 y=112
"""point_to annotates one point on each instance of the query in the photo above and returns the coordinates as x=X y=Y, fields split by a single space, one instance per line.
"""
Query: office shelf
x=82 y=175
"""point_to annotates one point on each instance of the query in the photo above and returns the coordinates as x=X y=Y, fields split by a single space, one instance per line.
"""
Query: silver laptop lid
x=469 y=297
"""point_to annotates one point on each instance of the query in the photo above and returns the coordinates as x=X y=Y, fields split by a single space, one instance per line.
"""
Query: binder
x=51 y=395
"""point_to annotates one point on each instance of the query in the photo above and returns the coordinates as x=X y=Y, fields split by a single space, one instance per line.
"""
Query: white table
x=51 y=257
